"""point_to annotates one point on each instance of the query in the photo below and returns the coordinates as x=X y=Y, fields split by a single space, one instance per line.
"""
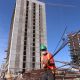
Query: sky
x=59 y=14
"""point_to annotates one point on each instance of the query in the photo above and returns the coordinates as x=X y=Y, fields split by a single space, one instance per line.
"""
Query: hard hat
x=43 y=47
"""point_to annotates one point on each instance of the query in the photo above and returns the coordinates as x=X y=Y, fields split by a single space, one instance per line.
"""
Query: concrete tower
x=28 y=31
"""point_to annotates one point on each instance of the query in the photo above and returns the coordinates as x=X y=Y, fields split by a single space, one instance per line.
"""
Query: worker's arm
x=44 y=63
x=51 y=61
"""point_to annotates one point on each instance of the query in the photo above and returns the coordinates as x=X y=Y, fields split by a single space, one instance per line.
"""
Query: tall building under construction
x=27 y=32
x=74 y=43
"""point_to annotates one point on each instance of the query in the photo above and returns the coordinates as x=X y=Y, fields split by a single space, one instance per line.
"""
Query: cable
x=60 y=39
x=62 y=62
x=63 y=65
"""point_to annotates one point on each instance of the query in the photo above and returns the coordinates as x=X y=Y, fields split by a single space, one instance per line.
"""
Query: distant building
x=74 y=44
x=28 y=31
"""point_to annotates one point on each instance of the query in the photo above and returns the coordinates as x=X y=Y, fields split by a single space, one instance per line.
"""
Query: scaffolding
x=74 y=44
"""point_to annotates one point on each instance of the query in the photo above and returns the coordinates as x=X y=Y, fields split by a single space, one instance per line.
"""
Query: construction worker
x=47 y=63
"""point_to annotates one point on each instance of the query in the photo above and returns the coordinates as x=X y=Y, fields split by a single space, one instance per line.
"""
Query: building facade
x=74 y=44
x=28 y=31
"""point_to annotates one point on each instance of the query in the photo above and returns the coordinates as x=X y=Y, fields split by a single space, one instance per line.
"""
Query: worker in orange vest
x=47 y=63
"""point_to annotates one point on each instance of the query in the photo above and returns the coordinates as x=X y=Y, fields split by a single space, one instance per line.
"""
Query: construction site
x=27 y=32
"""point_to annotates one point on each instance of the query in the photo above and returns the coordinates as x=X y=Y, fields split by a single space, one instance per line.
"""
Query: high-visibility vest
x=45 y=58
